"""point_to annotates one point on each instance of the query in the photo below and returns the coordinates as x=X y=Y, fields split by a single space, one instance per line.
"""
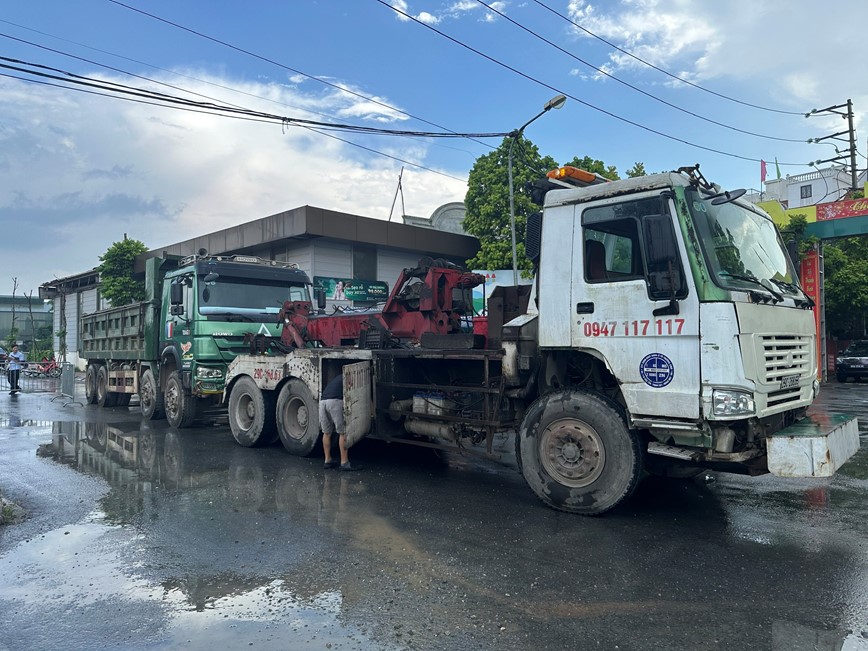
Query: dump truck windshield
x=228 y=295
x=742 y=248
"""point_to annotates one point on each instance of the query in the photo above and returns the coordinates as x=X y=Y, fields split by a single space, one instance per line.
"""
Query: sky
x=666 y=83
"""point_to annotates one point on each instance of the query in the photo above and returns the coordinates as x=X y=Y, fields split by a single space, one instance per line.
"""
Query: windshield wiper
x=231 y=316
x=793 y=288
x=755 y=281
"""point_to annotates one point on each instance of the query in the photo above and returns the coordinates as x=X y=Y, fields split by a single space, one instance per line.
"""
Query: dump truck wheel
x=297 y=418
x=577 y=454
x=90 y=384
x=180 y=407
x=104 y=398
x=150 y=397
x=251 y=414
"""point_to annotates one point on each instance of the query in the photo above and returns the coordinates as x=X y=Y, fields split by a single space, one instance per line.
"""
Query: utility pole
x=850 y=132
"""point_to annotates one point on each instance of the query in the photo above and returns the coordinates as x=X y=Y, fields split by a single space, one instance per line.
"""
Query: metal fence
x=33 y=378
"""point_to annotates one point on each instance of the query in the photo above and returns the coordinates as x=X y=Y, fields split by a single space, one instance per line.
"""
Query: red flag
x=762 y=171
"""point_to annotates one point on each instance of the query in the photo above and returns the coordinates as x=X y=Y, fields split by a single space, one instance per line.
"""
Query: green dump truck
x=172 y=349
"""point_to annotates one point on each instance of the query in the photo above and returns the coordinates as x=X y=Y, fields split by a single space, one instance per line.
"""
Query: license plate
x=790 y=381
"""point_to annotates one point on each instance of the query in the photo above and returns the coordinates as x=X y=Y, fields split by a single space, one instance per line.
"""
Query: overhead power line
x=573 y=97
x=629 y=85
x=281 y=65
x=665 y=72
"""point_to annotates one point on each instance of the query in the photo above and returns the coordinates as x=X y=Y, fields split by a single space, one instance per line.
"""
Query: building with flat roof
x=329 y=246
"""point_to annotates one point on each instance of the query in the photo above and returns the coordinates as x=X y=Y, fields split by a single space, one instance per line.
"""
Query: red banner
x=810 y=278
x=842 y=209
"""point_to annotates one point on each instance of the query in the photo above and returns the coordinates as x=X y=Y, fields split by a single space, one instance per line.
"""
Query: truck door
x=357 y=400
x=634 y=305
x=179 y=319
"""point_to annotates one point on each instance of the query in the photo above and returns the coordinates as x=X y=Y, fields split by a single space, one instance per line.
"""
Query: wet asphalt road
x=141 y=537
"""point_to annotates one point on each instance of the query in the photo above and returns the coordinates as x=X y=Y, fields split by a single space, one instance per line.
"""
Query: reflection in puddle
x=89 y=569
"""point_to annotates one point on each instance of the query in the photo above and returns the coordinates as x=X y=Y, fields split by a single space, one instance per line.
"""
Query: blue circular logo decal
x=656 y=370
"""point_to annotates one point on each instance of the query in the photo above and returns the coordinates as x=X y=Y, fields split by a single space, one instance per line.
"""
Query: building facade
x=329 y=246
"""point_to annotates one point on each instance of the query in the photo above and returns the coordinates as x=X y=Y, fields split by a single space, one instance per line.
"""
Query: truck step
x=672 y=451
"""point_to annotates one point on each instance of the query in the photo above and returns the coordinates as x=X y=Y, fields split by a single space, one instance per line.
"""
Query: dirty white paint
x=815 y=453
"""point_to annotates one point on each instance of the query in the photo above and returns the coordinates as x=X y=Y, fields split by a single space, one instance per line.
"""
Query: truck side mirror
x=664 y=269
x=533 y=237
x=793 y=251
x=319 y=295
x=176 y=293
x=660 y=244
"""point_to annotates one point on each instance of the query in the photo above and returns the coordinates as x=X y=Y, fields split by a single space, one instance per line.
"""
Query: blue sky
x=79 y=170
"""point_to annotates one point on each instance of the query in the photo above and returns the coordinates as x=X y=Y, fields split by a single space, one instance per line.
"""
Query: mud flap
x=816 y=446
x=358 y=412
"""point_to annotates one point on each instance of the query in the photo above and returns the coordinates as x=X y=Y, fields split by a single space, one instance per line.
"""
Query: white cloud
x=80 y=171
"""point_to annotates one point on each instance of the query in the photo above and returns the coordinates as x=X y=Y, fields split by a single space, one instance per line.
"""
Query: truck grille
x=786 y=355
x=786 y=360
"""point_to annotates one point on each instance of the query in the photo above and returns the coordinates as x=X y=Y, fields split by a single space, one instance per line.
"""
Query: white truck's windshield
x=243 y=296
x=742 y=248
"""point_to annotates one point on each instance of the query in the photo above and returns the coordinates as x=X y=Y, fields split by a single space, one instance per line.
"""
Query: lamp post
x=554 y=103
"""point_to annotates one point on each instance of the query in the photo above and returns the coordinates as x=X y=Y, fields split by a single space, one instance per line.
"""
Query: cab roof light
x=575 y=176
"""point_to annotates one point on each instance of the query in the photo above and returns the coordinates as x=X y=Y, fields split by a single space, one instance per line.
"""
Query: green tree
x=487 y=199
x=116 y=273
x=638 y=169
x=487 y=202
x=846 y=286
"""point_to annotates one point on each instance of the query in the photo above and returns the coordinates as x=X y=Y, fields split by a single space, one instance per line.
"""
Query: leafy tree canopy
x=116 y=273
x=487 y=199
x=846 y=285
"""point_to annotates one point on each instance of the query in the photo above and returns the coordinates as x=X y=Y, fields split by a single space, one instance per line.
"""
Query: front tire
x=150 y=397
x=577 y=454
x=180 y=406
x=297 y=418
x=251 y=414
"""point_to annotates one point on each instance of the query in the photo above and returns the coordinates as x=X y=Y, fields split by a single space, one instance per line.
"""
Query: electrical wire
x=629 y=85
x=211 y=112
x=342 y=89
x=289 y=121
x=666 y=72
x=573 y=97
x=171 y=72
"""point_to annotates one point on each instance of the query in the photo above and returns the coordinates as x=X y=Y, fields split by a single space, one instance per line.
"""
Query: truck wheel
x=150 y=397
x=297 y=418
x=251 y=414
x=180 y=407
x=577 y=454
x=104 y=398
x=90 y=384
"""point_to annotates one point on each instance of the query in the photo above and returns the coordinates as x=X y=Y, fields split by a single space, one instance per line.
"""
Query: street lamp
x=554 y=103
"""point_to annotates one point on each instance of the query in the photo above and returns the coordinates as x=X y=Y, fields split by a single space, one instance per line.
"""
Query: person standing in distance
x=331 y=420
x=14 y=362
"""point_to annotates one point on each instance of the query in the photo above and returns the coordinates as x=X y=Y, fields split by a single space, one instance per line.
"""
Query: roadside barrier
x=31 y=379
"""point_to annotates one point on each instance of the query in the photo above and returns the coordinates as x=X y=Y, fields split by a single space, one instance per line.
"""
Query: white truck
x=665 y=331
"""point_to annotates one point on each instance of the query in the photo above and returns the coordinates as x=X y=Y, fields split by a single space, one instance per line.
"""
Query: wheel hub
x=572 y=452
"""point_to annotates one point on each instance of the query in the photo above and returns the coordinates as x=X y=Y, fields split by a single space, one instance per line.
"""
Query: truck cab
x=679 y=305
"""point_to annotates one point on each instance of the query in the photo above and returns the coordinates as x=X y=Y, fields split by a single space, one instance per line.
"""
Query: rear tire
x=577 y=454
x=90 y=384
x=297 y=418
x=180 y=406
x=251 y=414
x=104 y=398
x=150 y=397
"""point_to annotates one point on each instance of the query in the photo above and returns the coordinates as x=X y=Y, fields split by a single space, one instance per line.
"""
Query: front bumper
x=816 y=446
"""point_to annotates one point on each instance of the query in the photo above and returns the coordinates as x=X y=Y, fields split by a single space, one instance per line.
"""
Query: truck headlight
x=732 y=403
x=204 y=372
